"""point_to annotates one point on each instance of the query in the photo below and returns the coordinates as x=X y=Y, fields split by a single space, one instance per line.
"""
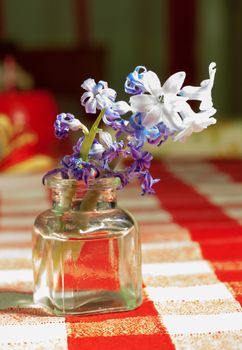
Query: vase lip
x=98 y=183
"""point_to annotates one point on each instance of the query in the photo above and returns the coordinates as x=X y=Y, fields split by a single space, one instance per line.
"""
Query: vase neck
x=77 y=196
x=95 y=199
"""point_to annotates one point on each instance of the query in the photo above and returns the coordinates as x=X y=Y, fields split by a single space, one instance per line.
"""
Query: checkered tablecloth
x=192 y=266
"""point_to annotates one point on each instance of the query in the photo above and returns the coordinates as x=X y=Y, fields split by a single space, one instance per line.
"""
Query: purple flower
x=147 y=182
x=74 y=168
x=78 y=169
x=142 y=160
x=66 y=122
x=113 y=152
x=112 y=149
x=77 y=147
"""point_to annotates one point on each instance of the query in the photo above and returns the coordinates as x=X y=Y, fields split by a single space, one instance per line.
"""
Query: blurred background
x=47 y=49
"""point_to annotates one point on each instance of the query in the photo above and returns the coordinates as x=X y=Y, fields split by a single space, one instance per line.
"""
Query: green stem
x=89 y=138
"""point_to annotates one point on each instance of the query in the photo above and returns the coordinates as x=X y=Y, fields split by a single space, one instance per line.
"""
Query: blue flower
x=133 y=84
x=155 y=135
x=158 y=134
x=113 y=113
x=135 y=128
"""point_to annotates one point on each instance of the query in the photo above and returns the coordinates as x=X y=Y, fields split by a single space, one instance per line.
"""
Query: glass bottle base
x=87 y=302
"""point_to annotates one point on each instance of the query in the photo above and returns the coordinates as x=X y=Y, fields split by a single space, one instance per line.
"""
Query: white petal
x=85 y=97
x=153 y=117
x=103 y=101
x=88 y=84
x=110 y=93
x=203 y=92
x=75 y=124
x=151 y=82
x=121 y=107
x=91 y=106
x=182 y=135
x=103 y=83
x=204 y=83
x=105 y=139
x=203 y=119
x=174 y=83
x=174 y=100
x=199 y=122
x=206 y=102
x=200 y=93
x=189 y=91
x=142 y=103
x=171 y=119
x=212 y=71
x=172 y=106
x=188 y=114
x=96 y=150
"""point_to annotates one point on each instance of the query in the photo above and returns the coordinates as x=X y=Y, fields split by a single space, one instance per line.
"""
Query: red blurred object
x=35 y=109
x=31 y=111
x=23 y=154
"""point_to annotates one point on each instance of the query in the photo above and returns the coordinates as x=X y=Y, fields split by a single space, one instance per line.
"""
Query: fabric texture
x=192 y=266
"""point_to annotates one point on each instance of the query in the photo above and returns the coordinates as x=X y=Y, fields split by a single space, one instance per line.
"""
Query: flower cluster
x=154 y=113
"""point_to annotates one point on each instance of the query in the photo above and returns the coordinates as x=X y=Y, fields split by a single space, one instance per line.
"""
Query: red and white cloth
x=192 y=266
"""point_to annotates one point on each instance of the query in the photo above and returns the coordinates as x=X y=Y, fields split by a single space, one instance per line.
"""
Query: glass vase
x=86 y=251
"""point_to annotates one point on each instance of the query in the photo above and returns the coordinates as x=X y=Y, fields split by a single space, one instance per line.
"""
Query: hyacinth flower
x=133 y=84
x=142 y=160
x=97 y=96
x=147 y=182
x=155 y=135
x=158 y=104
x=113 y=149
x=113 y=115
x=154 y=113
x=169 y=103
x=66 y=122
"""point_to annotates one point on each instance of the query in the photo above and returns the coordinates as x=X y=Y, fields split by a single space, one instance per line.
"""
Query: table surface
x=192 y=266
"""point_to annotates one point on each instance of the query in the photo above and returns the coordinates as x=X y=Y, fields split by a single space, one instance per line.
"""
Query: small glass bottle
x=86 y=251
